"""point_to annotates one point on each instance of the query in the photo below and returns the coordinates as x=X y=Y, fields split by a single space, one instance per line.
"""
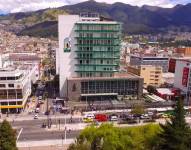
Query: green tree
x=7 y=136
x=108 y=137
x=151 y=89
x=176 y=133
x=138 y=109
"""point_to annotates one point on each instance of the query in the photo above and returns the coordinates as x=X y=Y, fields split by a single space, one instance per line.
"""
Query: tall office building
x=88 y=58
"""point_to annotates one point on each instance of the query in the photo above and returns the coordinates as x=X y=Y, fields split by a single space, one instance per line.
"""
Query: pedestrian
x=69 y=130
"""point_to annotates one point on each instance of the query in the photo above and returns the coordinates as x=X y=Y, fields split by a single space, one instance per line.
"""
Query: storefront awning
x=10 y=106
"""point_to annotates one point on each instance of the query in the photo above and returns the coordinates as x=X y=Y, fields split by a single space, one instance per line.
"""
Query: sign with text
x=185 y=76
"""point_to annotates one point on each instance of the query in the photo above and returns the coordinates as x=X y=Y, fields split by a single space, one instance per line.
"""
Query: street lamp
x=65 y=134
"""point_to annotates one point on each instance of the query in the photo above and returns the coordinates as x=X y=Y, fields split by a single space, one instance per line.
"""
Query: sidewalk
x=44 y=144
x=41 y=117
x=72 y=127
x=65 y=147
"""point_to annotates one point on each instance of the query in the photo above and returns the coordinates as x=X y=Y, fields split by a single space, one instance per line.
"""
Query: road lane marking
x=19 y=134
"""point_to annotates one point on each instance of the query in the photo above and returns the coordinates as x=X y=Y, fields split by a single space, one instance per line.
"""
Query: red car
x=101 y=117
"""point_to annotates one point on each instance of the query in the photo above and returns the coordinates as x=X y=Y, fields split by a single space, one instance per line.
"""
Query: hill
x=146 y=19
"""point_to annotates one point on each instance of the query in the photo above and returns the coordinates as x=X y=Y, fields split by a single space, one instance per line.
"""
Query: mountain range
x=136 y=20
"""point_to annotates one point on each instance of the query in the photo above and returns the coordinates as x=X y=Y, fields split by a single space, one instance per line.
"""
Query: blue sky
x=8 y=6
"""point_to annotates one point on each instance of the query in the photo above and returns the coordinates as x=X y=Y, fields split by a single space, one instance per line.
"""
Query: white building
x=182 y=79
x=88 y=60
x=15 y=88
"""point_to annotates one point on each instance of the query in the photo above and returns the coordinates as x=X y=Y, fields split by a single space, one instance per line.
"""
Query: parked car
x=87 y=120
x=101 y=117
x=123 y=116
x=91 y=116
x=114 y=118
x=145 y=116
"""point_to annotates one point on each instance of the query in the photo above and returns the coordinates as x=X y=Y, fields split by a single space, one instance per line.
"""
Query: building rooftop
x=149 y=56
x=165 y=91
x=116 y=76
x=97 y=22
x=7 y=72
x=23 y=57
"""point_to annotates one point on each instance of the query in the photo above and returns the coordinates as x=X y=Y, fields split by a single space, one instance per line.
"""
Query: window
x=2 y=85
x=2 y=78
x=157 y=72
x=11 y=85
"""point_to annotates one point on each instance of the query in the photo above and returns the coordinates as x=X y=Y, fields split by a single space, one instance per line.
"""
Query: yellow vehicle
x=88 y=120
x=166 y=116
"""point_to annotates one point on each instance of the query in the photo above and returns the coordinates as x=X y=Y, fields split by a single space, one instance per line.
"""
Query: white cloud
x=31 y=5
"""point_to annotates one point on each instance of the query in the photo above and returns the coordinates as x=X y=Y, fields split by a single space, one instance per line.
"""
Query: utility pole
x=59 y=123
x=65 y=134
x=62 y=139
x=47 y=111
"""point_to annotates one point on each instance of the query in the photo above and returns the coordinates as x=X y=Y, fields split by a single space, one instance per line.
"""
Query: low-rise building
x=185 y=51
x=152 y=75
x=168 y=78
x=150 y=60
x=168 y=93
x=15 y=88
x=126 y=86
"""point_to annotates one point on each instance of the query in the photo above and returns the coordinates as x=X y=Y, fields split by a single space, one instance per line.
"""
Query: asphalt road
x=42 y=134
x=39 y=122
x=32 y=130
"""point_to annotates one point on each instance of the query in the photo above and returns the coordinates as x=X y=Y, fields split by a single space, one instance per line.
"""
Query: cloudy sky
x=7 y=6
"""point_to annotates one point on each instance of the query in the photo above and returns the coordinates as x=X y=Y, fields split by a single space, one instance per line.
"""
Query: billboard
x=185 y=76
x=172 y=65
x=67 y=45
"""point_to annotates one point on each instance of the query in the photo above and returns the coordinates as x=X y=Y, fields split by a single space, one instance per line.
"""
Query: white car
x=36 y=116
x=114 y=118
x=145 y=116
x=89 y=116
x=150 y=113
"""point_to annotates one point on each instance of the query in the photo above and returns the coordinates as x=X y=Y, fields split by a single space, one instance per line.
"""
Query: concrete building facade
x=182 y=79
x=89 y=54
x=152 y=75
x=154 y=61
x=15 y=88
x=185 y=51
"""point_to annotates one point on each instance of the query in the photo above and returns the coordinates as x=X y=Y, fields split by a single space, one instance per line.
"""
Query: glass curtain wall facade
x=98 y=49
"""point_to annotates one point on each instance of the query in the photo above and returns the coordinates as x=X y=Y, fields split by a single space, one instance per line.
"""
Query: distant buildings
x=88 y=60
x=152 y=75
x=150 y=60
x=184 y=51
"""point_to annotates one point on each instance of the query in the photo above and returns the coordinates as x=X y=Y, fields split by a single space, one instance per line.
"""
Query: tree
x=138 y=109
x=108 y=137
x=151 y=89
x=7 y=136
x=176 y=133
